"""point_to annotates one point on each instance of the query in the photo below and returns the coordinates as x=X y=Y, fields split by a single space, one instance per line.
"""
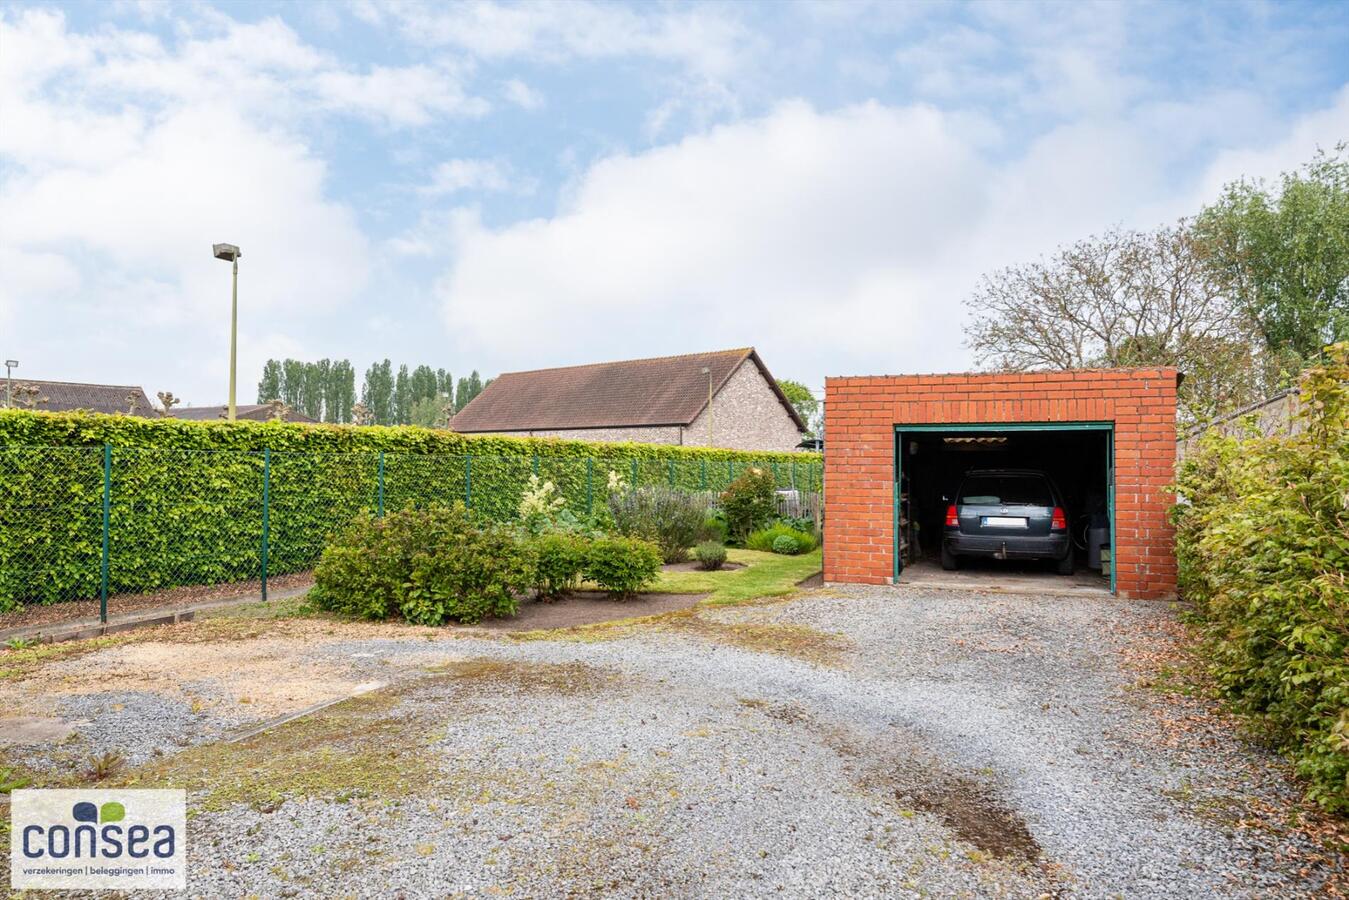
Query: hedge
x=1263 y=549
x=186 y=498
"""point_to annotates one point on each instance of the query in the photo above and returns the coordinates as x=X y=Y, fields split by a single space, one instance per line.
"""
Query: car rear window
x=1006 y=490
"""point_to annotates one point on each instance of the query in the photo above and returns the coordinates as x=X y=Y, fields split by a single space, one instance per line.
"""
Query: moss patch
x=368 y=746
x=558 y=679
x=16 y=665
x=799 y=641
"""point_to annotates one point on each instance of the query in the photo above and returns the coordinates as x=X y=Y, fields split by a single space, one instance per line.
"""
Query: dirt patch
x=123 y=604
x=587 y=608
x=914 y=779
x=258 y=675
x=693 y=565
x=813 y=581
x=971 y=811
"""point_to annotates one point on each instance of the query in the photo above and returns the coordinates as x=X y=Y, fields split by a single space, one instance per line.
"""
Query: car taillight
x=1060 y=522
x=952 y=520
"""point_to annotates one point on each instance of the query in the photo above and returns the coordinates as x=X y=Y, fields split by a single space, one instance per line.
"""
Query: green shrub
x=622 y=565
x=1262 y=542
x=749 y=503
x=714 y=527
x=427 y=565
x=766 y=540
x=786 y=545
x=560 y=558
x=711 y=555
x=670 y=519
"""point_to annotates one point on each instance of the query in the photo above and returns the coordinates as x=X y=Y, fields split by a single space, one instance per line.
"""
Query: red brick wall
x=860 y=418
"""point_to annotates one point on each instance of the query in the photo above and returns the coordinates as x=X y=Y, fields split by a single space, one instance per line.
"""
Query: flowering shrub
x=670 y=519
x=540 y=505
x=749 y=502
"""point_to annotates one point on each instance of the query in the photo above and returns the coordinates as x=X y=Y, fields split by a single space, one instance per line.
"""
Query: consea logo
x=127 y=840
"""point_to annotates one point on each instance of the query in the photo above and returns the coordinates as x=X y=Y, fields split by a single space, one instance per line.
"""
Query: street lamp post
x=10 y=366
x=232 y=253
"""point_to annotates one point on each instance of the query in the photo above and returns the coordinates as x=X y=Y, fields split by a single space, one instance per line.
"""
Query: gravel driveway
x=859 y=742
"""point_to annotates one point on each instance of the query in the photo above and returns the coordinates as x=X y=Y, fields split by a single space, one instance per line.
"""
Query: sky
x=501 y=186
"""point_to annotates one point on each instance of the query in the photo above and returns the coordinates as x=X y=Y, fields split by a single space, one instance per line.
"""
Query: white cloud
x=456 y=175
x=108 y=209
x=522 y=95
x=836 y=242
x=706 y=40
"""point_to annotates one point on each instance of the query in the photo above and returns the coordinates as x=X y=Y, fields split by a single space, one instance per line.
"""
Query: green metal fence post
x=671 y=467
x=590 y=484
x=774 y=463
x=379 y=496
x=536 y=464
x=730 y=471
x=634 y=471
x=468 y=481
x=107 y=509
x=266 y=513
x=704 y=462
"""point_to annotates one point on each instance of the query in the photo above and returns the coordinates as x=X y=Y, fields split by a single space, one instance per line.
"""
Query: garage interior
x=932 y=460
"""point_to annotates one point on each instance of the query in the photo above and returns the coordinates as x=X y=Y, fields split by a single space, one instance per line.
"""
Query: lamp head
x=227 y=252
x=11 y=363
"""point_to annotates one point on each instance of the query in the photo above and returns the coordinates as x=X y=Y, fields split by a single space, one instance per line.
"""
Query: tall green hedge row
x=1263 y=548
x=186 y=498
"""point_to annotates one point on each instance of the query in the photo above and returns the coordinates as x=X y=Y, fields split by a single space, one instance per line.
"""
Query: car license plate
x=1004 y=522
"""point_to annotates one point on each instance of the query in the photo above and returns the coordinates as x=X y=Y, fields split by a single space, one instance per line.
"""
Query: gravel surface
x=860 y=742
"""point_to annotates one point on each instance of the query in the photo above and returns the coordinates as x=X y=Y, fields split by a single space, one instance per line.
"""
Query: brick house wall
x=860 y=418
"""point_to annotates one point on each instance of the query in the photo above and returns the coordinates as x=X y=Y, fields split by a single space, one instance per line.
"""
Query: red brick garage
x=1135 y=410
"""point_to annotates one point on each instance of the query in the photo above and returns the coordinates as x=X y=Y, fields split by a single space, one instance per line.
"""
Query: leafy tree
x=311 y=388
x=803 y=401
x=377 y=393
x=1283 y=253
x=423 y=384
x=444 y=383
x=269 y=388
x=292 y=382
x=468 y=388
x=1126 y=298
x=402 y=397
x=430 y=412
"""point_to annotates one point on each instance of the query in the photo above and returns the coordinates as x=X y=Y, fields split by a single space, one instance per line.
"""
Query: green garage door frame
x=1002 y=427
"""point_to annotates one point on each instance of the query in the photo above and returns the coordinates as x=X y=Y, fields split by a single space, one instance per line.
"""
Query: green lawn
x=765 y=575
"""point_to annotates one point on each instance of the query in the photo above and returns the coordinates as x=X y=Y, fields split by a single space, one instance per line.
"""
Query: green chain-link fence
x=80 y=524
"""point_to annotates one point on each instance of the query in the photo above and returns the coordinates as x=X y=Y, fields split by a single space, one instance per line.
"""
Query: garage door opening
x=1005 y=500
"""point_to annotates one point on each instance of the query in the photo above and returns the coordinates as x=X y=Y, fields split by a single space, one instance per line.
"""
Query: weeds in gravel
x=21 y=643
x=362 y=747
x=799 y=641
x=557 y=679
x=16 y=664
x=104 y=766
x=11 y=779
